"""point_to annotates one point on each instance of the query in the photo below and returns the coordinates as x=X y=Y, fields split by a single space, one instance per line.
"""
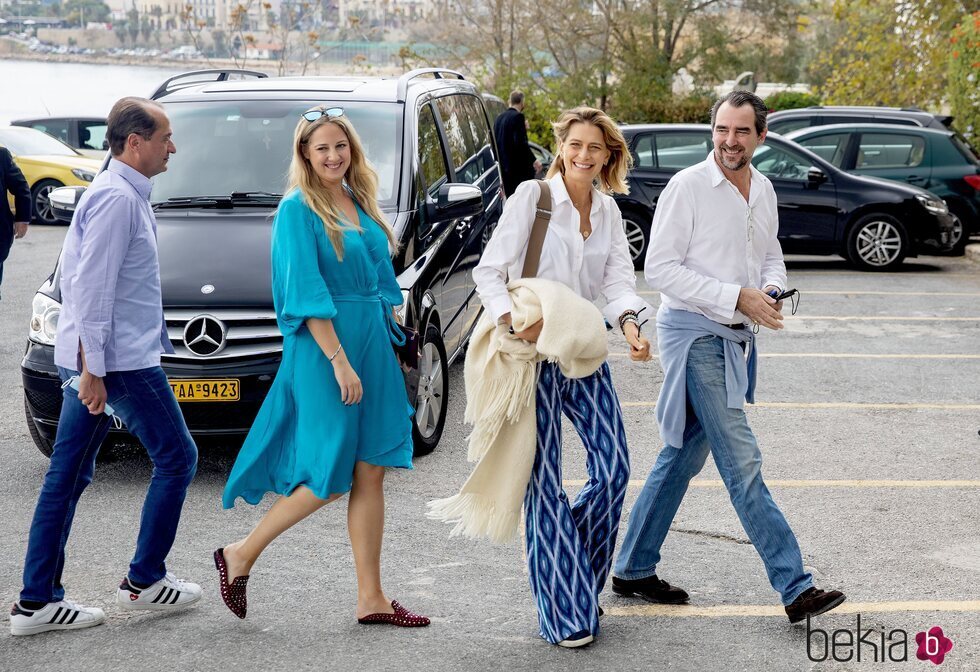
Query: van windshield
x=226 y=147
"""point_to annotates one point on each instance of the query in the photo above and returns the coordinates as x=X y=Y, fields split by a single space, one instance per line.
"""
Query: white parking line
x=847 y=292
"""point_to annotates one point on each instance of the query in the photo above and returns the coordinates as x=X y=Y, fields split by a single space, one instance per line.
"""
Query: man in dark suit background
x=516 y=160
x=11 y=226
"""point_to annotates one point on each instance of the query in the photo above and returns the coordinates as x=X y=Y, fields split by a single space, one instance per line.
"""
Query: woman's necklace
x=586 y=228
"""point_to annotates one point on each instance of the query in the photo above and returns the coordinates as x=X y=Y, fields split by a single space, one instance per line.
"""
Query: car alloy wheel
x=42 y=204
x=431 y=397
x=877 y=243
x=636 y=238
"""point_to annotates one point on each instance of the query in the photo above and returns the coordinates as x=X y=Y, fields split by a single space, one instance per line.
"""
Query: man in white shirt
x=716 y=260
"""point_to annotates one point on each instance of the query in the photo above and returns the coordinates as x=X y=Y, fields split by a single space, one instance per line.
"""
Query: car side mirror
x=63 y=201
x=455 y=201
x=815 y=177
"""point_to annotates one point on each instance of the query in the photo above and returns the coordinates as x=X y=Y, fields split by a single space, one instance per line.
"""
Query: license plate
x=212 y=389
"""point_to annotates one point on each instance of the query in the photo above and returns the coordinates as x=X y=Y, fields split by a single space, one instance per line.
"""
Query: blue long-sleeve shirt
x=110 y=278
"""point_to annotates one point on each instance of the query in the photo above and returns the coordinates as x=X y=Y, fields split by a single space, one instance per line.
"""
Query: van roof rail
x=200 y=77
x=437 y=73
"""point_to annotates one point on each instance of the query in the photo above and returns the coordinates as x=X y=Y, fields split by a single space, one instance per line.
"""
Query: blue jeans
x=712 y=426
x=144 y=401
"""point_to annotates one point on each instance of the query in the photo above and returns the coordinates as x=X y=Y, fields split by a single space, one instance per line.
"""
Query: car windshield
x=245 y=146
x=30 y=142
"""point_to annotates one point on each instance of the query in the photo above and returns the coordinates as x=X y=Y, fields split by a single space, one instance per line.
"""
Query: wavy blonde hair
x=360 y=178
x=612 y=179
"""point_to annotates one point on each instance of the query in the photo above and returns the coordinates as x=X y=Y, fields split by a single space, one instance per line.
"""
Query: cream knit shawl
x=501 y=379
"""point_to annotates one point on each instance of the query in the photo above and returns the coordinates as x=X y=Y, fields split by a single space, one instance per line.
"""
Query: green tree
x=889 y=53
x=964 y=76
x=133 y=24
x=77 y=11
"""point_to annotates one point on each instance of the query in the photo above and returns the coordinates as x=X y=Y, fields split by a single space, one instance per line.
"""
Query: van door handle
x=655 y=183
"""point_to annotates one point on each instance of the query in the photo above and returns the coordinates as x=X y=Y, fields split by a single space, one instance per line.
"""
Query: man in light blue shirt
x=110 y=335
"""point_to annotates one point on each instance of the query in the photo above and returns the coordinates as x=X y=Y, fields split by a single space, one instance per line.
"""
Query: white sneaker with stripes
x=167 y=594
x=64 y=615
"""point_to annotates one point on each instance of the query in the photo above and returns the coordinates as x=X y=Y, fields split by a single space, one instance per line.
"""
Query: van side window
x=467 y=135
x=432 y=161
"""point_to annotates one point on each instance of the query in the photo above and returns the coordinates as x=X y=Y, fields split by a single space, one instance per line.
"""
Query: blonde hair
x=360 y=177
x=612 y=179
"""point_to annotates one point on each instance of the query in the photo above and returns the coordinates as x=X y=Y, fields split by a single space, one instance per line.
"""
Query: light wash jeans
x=712 y=426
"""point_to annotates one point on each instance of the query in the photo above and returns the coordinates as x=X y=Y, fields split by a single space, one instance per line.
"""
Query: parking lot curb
x=973 y=252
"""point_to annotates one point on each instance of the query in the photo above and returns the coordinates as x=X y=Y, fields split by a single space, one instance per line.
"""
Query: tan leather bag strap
x=542 y=215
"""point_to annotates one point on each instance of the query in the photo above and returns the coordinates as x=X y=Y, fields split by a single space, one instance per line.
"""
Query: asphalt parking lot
x=868 y=415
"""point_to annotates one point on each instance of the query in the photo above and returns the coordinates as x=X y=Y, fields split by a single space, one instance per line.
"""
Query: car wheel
x=877 y=242
x=44 y=445
x=432 y=397
x=637 y=227
x=961 y=236
x=43 y=214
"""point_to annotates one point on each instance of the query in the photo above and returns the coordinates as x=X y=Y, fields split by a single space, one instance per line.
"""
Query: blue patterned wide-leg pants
x=570 y=546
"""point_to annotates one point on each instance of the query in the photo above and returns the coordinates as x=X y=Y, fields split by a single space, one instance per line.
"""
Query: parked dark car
x=784 y=121
x=941 y=161
x=872 y=222
x=86 y=134
x=428 y=136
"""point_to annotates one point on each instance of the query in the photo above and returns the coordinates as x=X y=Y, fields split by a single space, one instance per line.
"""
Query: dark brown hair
x=130 y=115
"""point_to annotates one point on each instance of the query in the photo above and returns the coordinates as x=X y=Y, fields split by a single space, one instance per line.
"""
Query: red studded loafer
x=232 y=593
x=402 y=618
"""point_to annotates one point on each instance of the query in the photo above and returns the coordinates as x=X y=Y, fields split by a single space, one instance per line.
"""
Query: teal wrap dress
x=303 y=433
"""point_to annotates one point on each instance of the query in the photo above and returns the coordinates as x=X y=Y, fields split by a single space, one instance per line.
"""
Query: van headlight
x=44 y=319
x=936 y=206
x=83 y=175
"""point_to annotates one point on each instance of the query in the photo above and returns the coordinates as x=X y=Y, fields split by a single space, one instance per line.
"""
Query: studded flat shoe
x=233 y=594
x=402 y=618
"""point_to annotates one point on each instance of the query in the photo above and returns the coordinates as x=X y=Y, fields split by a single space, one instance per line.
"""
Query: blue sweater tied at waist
x=676 y=331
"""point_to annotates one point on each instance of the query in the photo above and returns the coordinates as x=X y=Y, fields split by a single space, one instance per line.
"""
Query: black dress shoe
x=650 y=589
x=812 y=602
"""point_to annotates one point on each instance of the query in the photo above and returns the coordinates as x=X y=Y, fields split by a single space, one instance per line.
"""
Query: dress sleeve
x=298 y=287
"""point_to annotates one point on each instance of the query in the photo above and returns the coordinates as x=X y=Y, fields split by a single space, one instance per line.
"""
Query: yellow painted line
x=880 y=318
x=840 y=292
x=845 y=405
x=815 y=483
x=839 y=355
x=734 y=610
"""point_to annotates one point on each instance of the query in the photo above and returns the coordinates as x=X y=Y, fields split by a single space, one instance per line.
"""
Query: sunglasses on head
x=321 y=111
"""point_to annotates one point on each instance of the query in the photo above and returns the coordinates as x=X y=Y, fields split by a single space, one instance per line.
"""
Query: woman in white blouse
x=570 y=545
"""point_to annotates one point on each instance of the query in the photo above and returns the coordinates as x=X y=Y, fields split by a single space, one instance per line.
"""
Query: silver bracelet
x=339 y=348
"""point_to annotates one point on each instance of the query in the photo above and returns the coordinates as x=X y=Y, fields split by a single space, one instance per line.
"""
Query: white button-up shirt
x=707 y=242
x=600 y=265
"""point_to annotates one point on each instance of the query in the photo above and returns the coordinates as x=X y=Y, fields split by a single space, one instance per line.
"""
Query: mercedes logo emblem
x=205 y=335
x=207 y=289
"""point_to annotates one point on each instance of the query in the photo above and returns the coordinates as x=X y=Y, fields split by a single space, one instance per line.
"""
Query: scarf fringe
x=496 y=401
x=475 y=516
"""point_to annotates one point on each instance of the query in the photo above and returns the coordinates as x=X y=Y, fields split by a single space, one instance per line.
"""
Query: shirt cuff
x=498 y=306
x=612 y=310
x=95 y=362
x=729 y=300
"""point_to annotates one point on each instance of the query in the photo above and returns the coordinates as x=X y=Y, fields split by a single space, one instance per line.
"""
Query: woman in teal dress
x=337 y=413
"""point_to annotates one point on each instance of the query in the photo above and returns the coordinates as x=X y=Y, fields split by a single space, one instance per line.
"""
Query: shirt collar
x=560 y=193
x=141 y=183
x=717 y=176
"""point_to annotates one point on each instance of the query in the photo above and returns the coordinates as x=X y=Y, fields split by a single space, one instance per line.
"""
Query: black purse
x=408 y=352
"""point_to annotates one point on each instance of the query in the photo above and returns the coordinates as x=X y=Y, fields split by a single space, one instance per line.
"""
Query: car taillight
x=973 y=181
